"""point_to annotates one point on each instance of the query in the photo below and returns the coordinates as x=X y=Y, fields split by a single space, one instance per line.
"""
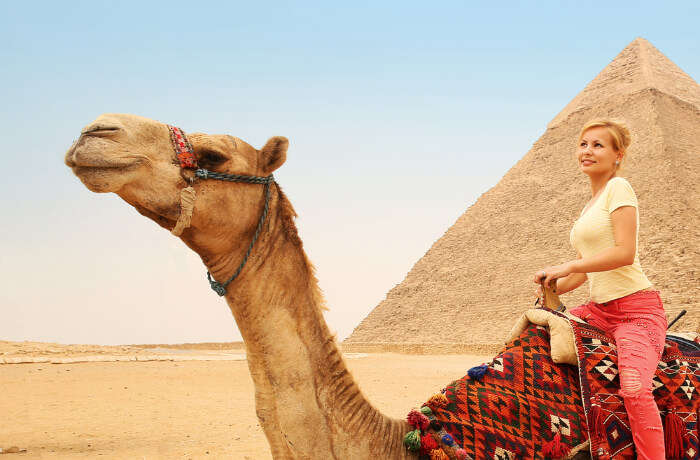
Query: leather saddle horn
x=550 y=299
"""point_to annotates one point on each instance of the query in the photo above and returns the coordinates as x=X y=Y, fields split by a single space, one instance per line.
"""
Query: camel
x=307 y=402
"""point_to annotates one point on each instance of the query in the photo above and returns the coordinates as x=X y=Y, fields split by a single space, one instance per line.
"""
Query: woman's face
x=596 y=154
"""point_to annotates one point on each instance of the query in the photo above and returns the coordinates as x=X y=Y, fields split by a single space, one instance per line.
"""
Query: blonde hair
x=618 y=131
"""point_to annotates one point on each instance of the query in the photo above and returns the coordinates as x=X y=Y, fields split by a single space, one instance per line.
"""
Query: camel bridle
x=187 y=160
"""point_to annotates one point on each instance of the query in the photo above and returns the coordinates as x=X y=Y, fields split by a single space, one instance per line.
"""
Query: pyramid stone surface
x=474 y=282
x=637 y=67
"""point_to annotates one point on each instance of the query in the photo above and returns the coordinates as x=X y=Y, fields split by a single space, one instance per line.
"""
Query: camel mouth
x=157 y=217
x=98 y=165
x=99 y=173
x=86 y=153
x=86 y=171
x=99 y=179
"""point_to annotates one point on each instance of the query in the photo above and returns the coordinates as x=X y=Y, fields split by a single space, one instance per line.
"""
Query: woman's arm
x=570 y=282
x=566 y=284
x=624 y=223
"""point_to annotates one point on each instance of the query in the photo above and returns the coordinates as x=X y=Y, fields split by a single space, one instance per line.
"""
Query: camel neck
x=303 y=386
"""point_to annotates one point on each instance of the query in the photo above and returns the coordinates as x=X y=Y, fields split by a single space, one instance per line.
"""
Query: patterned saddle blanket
x=522 y=405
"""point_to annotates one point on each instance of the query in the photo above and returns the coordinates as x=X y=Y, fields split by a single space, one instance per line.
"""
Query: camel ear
x=273 y=154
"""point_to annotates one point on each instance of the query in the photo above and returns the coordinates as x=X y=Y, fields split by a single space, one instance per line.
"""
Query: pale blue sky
x=399 y=115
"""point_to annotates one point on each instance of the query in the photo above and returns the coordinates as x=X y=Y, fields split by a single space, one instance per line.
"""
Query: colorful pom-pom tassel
x=417 y=420
x=437 y=401
x=447 y=440
x=461 y=454
x=426 y=411
x=555 y=448
x=427 y=443
x=674 y=432
x=438 y=454
x=477 y=373
x=412 y=440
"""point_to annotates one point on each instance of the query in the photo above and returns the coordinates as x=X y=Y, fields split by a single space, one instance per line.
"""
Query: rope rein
x=220 y=288
x=206 y=174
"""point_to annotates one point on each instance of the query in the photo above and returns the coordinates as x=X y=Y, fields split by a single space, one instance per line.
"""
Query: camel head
x=134 y=157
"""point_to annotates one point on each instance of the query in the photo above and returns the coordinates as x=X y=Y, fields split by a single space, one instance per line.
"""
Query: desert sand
x=162 y=407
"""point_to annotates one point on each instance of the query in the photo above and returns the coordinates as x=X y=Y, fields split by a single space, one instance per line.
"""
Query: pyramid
x=474 y=282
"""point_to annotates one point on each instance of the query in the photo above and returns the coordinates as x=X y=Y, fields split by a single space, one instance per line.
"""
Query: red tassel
x=417 y=420
x=555 y=448
x=427 y=443
x=596 y=420
x=672 y=349
x=674 y=432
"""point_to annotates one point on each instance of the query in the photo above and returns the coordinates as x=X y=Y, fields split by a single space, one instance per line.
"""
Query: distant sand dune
x=174 y=409
x=53 y=353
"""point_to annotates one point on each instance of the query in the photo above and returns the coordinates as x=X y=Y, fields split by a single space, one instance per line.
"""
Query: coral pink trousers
x=638 y=324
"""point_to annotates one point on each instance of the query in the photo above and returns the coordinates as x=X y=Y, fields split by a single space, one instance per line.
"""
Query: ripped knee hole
x=630 y=381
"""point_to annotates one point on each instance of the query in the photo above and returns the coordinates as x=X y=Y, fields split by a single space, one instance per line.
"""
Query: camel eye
x=212 y=158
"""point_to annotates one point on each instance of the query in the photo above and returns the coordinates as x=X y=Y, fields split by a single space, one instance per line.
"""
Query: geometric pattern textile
x=522 y=401
x=676 y=385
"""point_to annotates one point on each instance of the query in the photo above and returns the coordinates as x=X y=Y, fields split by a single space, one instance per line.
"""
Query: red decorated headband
x=183 y=148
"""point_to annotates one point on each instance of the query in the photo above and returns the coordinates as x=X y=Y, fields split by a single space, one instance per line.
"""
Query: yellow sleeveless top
x=593 y=232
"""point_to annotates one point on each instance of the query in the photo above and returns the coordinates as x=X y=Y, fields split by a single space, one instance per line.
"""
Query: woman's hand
x=553 y=272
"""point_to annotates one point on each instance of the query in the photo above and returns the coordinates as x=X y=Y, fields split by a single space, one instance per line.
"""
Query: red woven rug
x=522 y=401
x=676 y=390
x=522 y=405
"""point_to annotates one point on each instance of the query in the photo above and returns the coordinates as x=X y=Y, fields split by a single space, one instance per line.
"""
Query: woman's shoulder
x=619 y=183
x=619 y=180
x=620 y=193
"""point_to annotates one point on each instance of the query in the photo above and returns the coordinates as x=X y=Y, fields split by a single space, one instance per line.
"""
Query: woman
x=622 y=302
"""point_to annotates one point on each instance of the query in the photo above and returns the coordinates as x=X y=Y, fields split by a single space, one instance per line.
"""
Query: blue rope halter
x=220 y=288
x=187 y=160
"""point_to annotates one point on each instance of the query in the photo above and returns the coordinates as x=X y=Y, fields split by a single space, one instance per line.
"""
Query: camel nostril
x=98 y=128
x=101 y=131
